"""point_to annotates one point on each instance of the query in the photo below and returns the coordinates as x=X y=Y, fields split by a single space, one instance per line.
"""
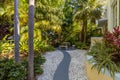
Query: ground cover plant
x=10 y=70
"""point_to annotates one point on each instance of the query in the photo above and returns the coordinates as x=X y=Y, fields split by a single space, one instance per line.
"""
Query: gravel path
x=76 y=67
x=53 y=59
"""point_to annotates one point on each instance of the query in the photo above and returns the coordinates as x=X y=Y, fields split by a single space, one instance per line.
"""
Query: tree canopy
x=61 y=17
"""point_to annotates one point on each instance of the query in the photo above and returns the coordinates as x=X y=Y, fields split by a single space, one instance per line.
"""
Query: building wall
x=113 y=13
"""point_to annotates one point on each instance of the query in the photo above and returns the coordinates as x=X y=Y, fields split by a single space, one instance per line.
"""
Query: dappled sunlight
x=45 y=25
x=56 y=28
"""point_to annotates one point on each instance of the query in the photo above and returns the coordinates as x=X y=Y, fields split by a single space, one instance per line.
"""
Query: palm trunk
x=16 y=31
x=30 y=40
x=84 y=30
x=82 y=34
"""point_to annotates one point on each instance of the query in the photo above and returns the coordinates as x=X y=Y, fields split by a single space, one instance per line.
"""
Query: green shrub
x=38 y=61
x=6 y=46
x=1 y=48
x=24 y=47
x=106 y=55
x=49 y=48
x=9 y=70
x=103 y=59
x=38 y=44
x=40 y=47
x=80 y=45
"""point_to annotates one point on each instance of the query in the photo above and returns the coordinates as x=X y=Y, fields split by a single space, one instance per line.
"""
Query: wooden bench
x=64 y=45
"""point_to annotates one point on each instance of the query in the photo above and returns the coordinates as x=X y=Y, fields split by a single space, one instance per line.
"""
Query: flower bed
x=106 y=54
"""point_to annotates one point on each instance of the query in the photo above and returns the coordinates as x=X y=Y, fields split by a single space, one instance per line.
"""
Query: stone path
x=69 y=64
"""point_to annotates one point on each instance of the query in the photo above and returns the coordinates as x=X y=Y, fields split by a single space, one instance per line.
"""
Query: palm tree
x=30 y=40
x=87 y=10
x=16 y=31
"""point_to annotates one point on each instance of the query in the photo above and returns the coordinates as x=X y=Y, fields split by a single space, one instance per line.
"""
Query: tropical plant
x=9 y=70
x=106 y=55
x=48 y=18
x=38 y=61
x=6 y=18
x=103 y=59
x=41 y=47
x=67 y=25
x=112 y=40
x=81 y=45
x=6 y=48
x=85 y=12
x=23 y=47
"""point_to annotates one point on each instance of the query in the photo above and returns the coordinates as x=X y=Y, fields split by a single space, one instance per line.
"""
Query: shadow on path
x=62 y=72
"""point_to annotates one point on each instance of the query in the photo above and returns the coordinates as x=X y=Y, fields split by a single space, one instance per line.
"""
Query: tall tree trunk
x=30 y=40
x=16 y=31
x=82 y=34
x=84 y=29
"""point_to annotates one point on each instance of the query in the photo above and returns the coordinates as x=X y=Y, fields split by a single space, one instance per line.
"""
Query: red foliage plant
x=113 y=38
x=112 y=41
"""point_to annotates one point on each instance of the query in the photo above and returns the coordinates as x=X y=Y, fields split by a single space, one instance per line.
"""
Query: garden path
x=64 y=65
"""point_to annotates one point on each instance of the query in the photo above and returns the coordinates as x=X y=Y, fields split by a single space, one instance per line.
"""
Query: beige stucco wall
x=109 y=10
x=118 y=12
x=110 y=16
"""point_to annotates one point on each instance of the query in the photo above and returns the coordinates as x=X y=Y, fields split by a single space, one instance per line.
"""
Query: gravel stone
x=52 y=62
x=77 y=67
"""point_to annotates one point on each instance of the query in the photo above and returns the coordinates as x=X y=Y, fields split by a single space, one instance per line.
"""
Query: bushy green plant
x=49 y=48
x=102 y=59
x=107 y=54
x=1 y=48
x=40 y=46
x=97 y=33
x=81 y=45
x=6 y=46
x=9 y=70
x=23 y=47
x=38 y=61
